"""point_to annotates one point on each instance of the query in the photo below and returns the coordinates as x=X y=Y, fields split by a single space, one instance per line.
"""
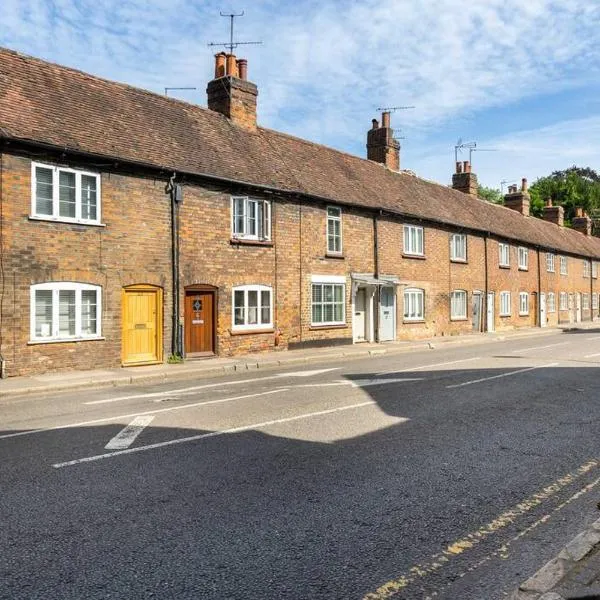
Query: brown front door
x=199 y=322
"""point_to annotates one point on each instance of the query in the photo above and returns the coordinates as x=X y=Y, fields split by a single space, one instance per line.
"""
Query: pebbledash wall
x=132 y=246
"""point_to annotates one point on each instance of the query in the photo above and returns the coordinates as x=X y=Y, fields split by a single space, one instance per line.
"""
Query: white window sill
x=459 y=318
x=329 y=324
x=523 y=314
x=523 y=268
x=50 y=219
x=420 y=320
x=505 y=315
x=65 y=340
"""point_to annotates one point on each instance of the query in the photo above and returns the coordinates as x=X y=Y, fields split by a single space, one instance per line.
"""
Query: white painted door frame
x=491 y=313
x=369 y=306
x=542 y=311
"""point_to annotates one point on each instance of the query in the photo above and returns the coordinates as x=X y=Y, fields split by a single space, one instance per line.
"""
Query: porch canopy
x=368 y=279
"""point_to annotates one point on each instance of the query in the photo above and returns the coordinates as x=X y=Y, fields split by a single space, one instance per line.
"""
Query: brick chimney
x=464 y=180
x=381 y=145
x=230 y=93
x=582 y=222
x=554 y=214
x=518 y=199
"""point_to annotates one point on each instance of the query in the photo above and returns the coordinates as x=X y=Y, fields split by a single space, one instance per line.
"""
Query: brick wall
x=134 y=248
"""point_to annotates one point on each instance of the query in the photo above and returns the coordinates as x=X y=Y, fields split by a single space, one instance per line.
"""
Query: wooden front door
x=142 y=325
x=199 y=322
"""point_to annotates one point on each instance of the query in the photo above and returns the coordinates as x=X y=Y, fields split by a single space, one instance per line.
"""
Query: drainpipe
x=2 y=361
x=539 y=291
x=486 y=286
x=176 y=194
x=591 y=290
x=376 y=273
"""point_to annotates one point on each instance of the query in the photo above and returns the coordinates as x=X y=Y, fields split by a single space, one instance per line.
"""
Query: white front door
x=360 y=321
x=491 y=326
x=543 y=310
x=578 y=308
x=387 y=314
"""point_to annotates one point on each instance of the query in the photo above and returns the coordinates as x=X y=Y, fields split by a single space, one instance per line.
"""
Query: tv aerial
x=471 y=147
x=231 y=44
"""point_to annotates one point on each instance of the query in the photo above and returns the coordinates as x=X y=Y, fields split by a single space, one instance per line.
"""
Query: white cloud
x=532 y=154
x=325 y=67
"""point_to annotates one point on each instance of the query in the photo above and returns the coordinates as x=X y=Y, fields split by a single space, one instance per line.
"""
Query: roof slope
x=51 y=104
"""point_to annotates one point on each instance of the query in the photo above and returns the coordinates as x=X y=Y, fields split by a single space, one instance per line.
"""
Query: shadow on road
x=265 y=514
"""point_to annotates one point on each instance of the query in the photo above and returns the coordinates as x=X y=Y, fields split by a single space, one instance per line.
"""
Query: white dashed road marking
x=457 y=385
x=127 y=436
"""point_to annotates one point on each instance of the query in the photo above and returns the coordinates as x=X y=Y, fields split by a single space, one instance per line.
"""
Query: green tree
x=571 y=188
x=489 y=194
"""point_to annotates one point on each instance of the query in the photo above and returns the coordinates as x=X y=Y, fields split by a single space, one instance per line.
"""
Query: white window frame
x=458 y=247
x=244 y=235
x=563 y=301
x=418 y=240
x=458 y=300
x=56 y=287
x=503 y=254
x=549 y=262
x=523 y=258
x=563 y=265
x=594 y=301
x=260 y=324
x=330 y=233
x=594 y=270
x=505 y=304
x=551 y=304
x=586 y=268
x=412 y=294
x=523 y=304
x=332 y=280
x=55 y=216
x=585 y=301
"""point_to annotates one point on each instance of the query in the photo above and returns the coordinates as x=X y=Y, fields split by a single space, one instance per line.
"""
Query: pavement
x=212 y=367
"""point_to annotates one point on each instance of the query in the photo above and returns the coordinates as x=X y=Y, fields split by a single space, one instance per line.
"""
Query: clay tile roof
x=46 y=103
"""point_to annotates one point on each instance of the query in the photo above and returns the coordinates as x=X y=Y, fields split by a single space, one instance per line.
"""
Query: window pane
x=328 y=293
x=66 y=313
x=317 y=293
x=43 y=191
x=265 y=304
x=238 y=307
x=339 y=293
x=317 y=313
x=238 y=216
x=89 y=310
x=339 y=312
x=252 y=307
x=88 y=197
x=43 y=313
x=66 y=194
x=251 y=218
x=260 y=219
x=328 y=313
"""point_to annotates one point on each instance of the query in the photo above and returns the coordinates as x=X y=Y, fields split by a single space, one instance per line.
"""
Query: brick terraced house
x=135 y=226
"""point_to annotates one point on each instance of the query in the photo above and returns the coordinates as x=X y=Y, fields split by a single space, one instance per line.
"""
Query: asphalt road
x=447 y=473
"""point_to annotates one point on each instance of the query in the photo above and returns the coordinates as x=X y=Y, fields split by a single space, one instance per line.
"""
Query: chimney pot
x=548 y=202
x=524 y=184
x=219 y=65
x=375 y=124
x=231 y=65
x=242 y=66
x=385 y=119
x=459 y=167
x=578 y=211
x=466 y=166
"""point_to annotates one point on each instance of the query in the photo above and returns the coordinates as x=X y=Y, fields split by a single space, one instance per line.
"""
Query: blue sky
x=521 y=77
